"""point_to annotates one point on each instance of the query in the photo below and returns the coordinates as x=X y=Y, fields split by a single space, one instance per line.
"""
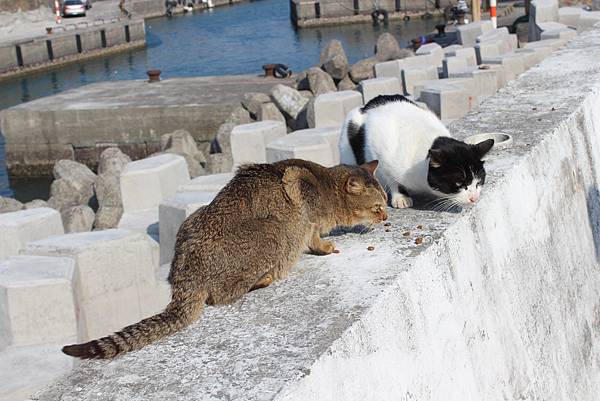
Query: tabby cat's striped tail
x=177 y=315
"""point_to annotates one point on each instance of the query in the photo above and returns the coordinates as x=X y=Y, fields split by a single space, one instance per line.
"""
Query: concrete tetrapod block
x=115 y=277
x=467 y=34
x=554 y=30
x=486 y=80
x=569 y=16
x=29 y=368
x=144 y=183
x=207 y=183
x=172 y=212
x=249 y=141
x=331 y=108
x=513 y=63
x=434 y=51
x=141 y=221
x=487 y=50
x=414 y=76
x=448 y=102
x=394 y=68
x=299 y=146
x=535 y=53
x=553 y=44
x=19 y=228
x=371 y=88
x=451 y=65
x=330 y=134
x=541 y=11
x=36 y=300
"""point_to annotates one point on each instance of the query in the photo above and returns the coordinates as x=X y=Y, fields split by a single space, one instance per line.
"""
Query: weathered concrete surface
x=130 y=114
x=501 y=301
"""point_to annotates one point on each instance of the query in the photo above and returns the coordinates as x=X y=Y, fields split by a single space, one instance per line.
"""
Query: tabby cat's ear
x=436 y=158
x=354 y=185
x=371 y=166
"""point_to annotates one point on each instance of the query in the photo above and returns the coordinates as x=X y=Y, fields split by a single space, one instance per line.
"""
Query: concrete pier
x=79 y=124
x=496 y=301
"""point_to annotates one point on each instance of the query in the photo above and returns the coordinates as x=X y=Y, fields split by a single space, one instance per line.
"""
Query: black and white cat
x=416 y=153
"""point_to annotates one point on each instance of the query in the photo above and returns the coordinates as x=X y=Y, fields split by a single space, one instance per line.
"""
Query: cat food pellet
x=370 y=248
x=420 y=227
x=406 y=234
x=387 y=230
x=419 y=240
x=387 y=224
x=336 y=251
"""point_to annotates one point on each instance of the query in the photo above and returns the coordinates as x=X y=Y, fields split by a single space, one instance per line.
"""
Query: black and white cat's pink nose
x=474 y=198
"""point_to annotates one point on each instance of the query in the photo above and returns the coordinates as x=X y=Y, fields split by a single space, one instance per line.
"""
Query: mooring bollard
x=153 y=75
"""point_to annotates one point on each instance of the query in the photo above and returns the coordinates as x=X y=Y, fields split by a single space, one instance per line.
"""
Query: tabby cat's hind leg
x=264 y=281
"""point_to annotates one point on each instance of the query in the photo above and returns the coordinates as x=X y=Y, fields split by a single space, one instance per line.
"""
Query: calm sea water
x=236 y=39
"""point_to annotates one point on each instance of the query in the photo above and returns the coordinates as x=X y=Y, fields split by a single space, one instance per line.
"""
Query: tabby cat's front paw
x=323 y=248
x=400 y=201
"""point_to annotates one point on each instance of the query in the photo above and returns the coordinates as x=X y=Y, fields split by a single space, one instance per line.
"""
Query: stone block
x=467 y=34
x=299 y=146
x=541 y=11
x=530 y=57
x=569 y=16
x=90 y=39
x=501 y=38
x=144 y=183
x=560 y=34
x=485 y=80
x=63 y=45
x=137 y=30
x=19 y=228
x=36 y=300
x=468 y=53
x=394 y=68
x=141 y=221
x=371 y=88
x=34 y=52
x=486 y=50
x=114 y=34
x=330 y=109
x=452 y=65
x=207 y=183
x=447 y=102
x=27 y=369
x=434 y=51
x=113 y=270
x=172 y=212
x=249 y=141
x=553 y=44
x=513 y=63
x=450 y=51
x=8 y=57
x=414 y=76
x=539 y=53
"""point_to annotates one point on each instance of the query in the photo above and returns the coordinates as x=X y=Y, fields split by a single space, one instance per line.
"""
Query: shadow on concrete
x=593 y=210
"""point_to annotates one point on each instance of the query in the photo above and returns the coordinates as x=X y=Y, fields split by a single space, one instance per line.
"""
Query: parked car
x=74 y=8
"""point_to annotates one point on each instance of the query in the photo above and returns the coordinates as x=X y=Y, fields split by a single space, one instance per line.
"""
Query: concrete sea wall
x=331 y=12
x=70 y=43
x=498 y=301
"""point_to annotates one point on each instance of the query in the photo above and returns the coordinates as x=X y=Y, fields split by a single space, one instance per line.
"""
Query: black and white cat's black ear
x=371 y=166
x=436 y=158
x=483 y=147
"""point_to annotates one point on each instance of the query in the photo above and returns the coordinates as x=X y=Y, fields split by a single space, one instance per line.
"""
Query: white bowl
x=501 y=140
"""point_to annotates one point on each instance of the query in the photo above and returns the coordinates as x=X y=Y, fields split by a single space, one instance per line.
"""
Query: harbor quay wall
x=69 y=43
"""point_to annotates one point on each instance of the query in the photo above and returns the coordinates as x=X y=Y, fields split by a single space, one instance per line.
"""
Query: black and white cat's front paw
x=400 y=201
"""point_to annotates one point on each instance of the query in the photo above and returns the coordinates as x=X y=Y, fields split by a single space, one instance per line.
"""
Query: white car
x=74 y=8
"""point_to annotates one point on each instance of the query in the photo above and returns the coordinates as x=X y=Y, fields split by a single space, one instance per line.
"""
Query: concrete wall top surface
x=501 y=300
x=139 y=93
